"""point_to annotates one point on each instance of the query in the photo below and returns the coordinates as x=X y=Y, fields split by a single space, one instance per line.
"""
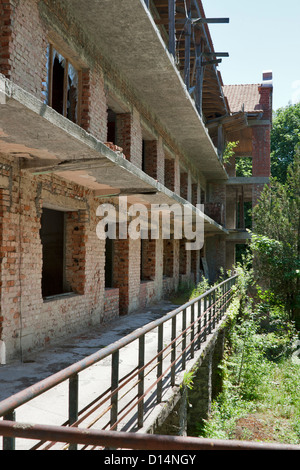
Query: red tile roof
x=243 y=95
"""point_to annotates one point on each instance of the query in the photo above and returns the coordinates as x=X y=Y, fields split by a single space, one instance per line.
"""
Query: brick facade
x=141 y=274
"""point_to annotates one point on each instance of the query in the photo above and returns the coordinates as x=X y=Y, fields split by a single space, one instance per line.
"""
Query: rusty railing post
x=114 y=386
x=192 y=331
x=73 y=404
x=183 y=339
x=160 y=361
x=141 y=381
x=9 y=443
x=205 y=319
x=173 y=351
x=199 y=324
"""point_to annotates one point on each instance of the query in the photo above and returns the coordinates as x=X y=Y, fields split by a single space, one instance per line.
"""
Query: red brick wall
x=111 y=305
x=170 y=174
x=121 y=273
x=23 y=59
x=184 y=186
x=266 y=101
x=261 y=151
x=154 y=160
x=129 y=136
x=149 y=259
x=169 y=252
x=6 y=12
x=23 y=312
x=96 y=106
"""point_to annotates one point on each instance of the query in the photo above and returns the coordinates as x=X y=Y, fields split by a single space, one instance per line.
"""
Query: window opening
x=53 y=242
x=63 y=88
x=109 y=257
x=111 y=126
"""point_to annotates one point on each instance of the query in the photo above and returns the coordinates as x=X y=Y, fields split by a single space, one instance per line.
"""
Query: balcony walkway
x=117 y=377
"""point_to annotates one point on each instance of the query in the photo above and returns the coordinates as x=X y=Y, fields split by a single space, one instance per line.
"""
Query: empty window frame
x=109 y=263
x=63 y=268
x=53 y=242
x=64 y=85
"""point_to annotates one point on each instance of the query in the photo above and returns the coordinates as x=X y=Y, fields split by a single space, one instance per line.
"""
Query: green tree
x=276 y=241
x=285 y=136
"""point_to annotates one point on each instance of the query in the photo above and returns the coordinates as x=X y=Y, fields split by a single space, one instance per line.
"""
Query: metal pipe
x=126 y=440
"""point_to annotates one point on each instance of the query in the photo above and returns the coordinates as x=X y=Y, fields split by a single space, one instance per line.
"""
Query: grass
x=188 y=291
x=260 y=399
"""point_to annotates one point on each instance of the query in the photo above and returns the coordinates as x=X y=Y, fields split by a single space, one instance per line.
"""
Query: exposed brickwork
x=184 y=185
x=148 y=259
x=111 y=305
x=23 y=58
x=261 y=162
x=266 y=101
x=169 y=257
x=154 y=164
x=26 y=319
x=129 y=136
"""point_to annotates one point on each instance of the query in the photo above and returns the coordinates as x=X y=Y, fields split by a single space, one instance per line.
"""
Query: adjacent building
x=106 y=102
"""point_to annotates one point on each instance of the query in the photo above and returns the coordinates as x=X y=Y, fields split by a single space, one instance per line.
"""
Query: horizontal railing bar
x=127 y=440
x=43 y=386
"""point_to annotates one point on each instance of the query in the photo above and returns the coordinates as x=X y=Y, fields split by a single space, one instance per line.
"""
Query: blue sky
x=262 y=35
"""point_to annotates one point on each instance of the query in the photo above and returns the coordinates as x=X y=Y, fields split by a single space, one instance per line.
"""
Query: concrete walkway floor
x=19 y=375
x=52 y=407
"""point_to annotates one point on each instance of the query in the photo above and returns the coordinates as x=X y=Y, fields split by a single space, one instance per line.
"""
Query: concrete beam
x=235 y=235
x=248 y=180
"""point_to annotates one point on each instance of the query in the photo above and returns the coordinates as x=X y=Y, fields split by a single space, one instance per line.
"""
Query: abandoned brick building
x=106 y=99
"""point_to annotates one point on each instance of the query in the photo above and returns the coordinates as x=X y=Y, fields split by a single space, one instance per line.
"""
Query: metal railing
x=131 y=441
x=134 y=388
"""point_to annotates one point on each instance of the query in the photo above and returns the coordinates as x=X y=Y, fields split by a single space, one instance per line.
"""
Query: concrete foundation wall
x=187 y=408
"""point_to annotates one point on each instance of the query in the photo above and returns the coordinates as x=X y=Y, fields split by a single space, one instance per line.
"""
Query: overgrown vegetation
x=187 y=290
x=260 y=399
x=276 y=241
